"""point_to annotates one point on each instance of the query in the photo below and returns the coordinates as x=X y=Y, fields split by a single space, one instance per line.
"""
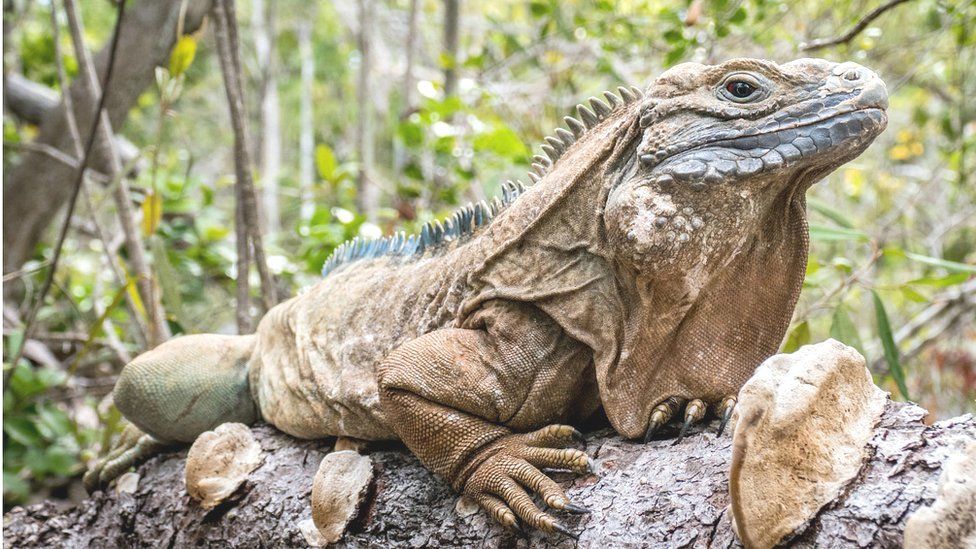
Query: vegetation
x=376 y=116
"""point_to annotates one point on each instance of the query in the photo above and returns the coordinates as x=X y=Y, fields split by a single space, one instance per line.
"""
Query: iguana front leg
x=452 y=397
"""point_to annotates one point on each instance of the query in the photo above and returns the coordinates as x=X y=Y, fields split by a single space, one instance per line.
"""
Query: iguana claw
x=724 y=410
x=694 y=412
x=565 y=531
x=579 y=510
x=660 y=415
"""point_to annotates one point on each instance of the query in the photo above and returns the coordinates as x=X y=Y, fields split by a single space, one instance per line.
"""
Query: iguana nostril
x=852 y=75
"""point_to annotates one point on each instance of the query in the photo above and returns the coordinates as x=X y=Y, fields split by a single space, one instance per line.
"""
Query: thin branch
x=47 y=150
x=72 y=123
x=158 y=328
x=228 y=49
x=854 y=31
x=76 y=190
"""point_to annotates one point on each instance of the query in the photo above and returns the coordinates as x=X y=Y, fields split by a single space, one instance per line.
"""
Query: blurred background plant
x=378 y=115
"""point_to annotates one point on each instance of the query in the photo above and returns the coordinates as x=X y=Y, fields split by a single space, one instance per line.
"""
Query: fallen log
x=659 y=494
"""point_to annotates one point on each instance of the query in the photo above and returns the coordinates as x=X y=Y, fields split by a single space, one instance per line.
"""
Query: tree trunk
x=452 y=15
x=263 y=24
x=368 y=191
x=306 y=140
x=36 y=188
x=642 y=495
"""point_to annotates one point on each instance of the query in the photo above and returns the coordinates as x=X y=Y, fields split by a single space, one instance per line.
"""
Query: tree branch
x=36 y=189
x=31 y=102
x=228 y=52
x=855 y=30
x=158 y=328
x=72 y=123
x=642 y=495
x=66 y=225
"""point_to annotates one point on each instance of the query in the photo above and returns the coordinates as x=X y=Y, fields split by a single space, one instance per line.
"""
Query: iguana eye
x=741 y=88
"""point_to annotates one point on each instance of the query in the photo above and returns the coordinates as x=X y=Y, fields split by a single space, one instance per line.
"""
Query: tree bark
x=306 y=145
x=368 y=193
x=36 y=188
x=263 y=25
x=642 y=495
x=228 y=51
x=31 y=102
x=452 y=16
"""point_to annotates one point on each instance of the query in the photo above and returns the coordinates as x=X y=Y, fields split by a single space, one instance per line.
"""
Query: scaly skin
x=653 y=266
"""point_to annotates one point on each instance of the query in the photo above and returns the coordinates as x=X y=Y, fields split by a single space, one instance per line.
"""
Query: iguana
x=653 y=264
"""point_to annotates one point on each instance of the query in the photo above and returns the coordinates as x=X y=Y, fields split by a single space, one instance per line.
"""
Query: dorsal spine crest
x=469 y=218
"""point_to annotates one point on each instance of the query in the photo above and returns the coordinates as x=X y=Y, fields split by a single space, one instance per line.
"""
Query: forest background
x=367 y=117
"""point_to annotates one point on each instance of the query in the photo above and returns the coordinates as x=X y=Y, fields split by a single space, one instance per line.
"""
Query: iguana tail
x=188 y=385
x=174 y=393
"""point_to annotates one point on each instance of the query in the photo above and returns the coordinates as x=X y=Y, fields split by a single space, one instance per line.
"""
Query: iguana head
x=723 y=148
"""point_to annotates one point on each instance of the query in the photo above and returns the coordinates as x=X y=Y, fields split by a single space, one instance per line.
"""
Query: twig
x=24 y=272
x=72 y=123
x=47 y=150
x=228 y=49
x=76 y=189
x=855 y=30
x=158 y=329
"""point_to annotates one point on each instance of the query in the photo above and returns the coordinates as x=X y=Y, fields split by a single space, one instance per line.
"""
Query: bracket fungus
x=802 y=426
x=219 y=462
x=338 y=489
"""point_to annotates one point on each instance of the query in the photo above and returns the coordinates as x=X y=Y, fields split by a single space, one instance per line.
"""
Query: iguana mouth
x=765 y=148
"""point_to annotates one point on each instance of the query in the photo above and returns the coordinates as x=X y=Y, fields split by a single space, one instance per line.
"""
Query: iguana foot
x=513 y=465
x=724 y=411
x=132 y=447
x=695 y=410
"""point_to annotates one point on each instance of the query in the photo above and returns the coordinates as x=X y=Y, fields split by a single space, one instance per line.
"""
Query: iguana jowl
x=652 y=266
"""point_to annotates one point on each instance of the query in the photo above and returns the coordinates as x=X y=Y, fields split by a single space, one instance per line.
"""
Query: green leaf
x=21 y=429
x=325 y=162
x=825 y=210
x=832 y=234
x=891 y=354
x=502 y=141
x=675 y=55
x=52 y=423
x=954 y=266
x=15 y=489
x=842 y=329
x=799 y=336
x=169 y=280
x=912 y=294
x=152 y=213
x=182 y=55
x=942 y=281
x=739 y=16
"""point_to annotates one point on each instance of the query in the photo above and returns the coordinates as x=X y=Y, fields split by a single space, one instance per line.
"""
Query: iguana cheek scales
x=655 y=263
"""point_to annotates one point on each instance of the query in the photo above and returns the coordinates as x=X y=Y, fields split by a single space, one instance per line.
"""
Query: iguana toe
x=724 y=411
x=694 y=412
x=661 y=414
x=132 y=447
x=502 y=482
